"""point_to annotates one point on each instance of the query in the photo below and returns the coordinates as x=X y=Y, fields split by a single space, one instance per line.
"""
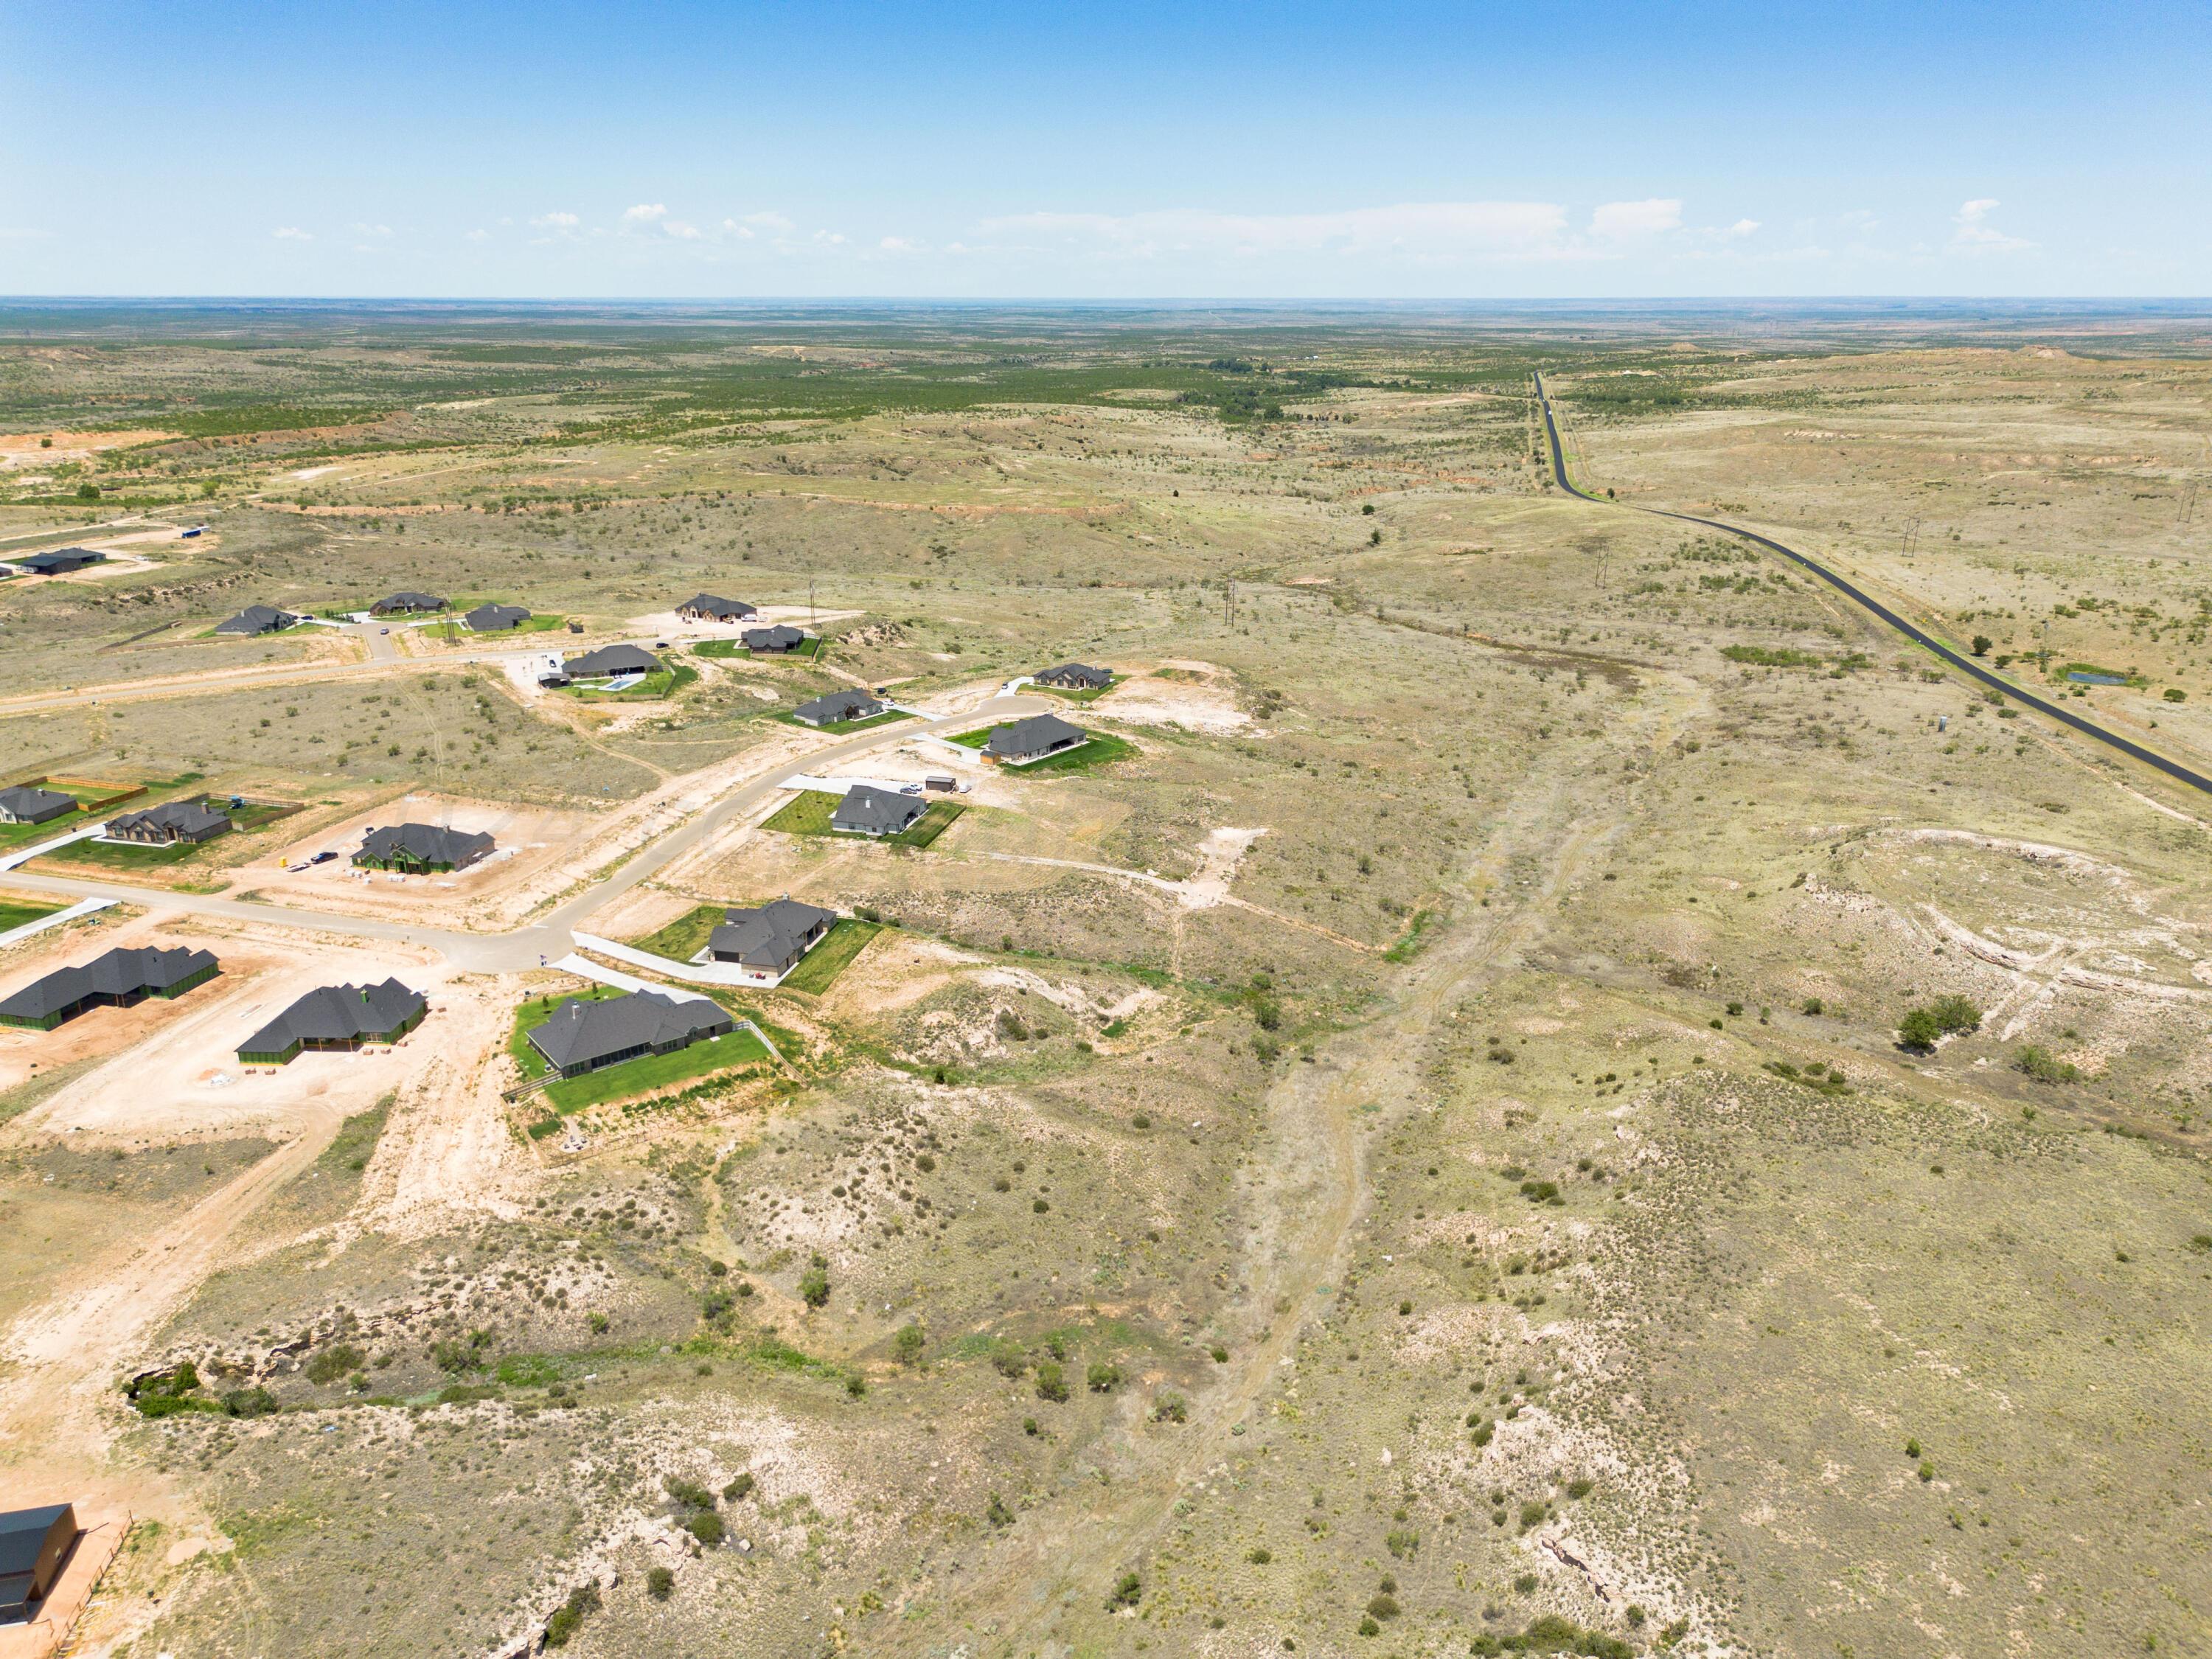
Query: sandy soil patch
x=530 y=840
x=1201 y=707
x=24 y=449
x=896 y=971
x=183 y=1082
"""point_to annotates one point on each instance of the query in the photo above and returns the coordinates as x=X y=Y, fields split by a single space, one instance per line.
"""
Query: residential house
x=170 y=823
x=117 y=980
x=1033 y=739
x=1075 y=676
x=868 y=810
x=407 y=605
x=258 y=619
x=26 y=804
x=766 y=944
x=336 y=1017
x=496 y=619
x=705 y=607
x=585 y=1036
x=773 y=642
x=61 y=563
x=419 y=848
x=837 y=707
x=33 y=1545
x=611 y=662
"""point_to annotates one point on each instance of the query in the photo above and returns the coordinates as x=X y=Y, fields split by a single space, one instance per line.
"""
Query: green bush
x=1384 y=1604
x=1259 y=1556
x=907 y=1344
x=997 y=1513
x=689 y=1493
x=334 y=1361
x=249 y=1402
x=706 y=1526
x=741 y=1486
x=659 y=1582
x=1127 y=1591
x=814 y=1283
x=584 y=1599
x=2044 y=1066
x=1051 y=1383
x=1104 y=1377
x=1922 y=1028
x=1170 y=1408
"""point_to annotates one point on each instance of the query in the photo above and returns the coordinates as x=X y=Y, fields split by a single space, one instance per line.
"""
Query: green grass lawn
x=930 y=825
x=685 y=937
x=661 y=683
x=22 y=835
x=122 y=855
x=840 y=727
x=809 y=813
x=719 y=650
x=806 y=813
x=1071 y=695
x=1100 y=750
x=649 y=1073
x=820 y=967
x=14 y=913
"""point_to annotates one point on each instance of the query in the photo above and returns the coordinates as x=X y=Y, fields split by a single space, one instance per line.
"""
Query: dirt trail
x=66 y=1355
x=1316 y=1189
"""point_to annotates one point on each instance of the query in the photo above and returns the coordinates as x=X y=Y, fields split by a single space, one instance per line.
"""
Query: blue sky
x=1126 y=151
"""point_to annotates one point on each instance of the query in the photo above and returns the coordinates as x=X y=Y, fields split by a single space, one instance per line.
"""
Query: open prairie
x=1533 y=1078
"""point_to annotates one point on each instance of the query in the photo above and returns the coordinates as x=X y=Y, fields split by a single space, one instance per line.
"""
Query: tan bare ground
x=21 y=449
x=1209 y=707
x=183 y=1081
x=896 y=971
x=103 y=1031
x=529 y=841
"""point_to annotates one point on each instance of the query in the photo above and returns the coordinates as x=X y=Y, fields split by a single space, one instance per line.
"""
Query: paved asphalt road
x=554 y=936
x=2019 y=694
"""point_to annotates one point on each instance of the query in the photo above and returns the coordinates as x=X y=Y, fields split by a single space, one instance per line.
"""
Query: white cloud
x=774 y=223
x=1429 y=229
x=292 y=234
x=645 y=213
x=371 y=230
x=681 y=231
x=1741 y=228
x=830 y=237
x=1616 y=219
x=557 y=220
x=899 y=245
x=479 y=235
x=1974 y=234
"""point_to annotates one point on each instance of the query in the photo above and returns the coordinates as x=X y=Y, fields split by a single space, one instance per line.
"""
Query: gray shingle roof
x=609 y=660
x=257 y=619
x=406 y=601
x=838 y=706
x=496 y=619
x=27 y=805
x=707 y=605
x=772 y=936
x=778 y=638
x=120 y=972
x=1039 y=734
x=425 y=844
x=1078 y=676
x=874 y=812
x=186 y=820
x=61 y=560
x=582 y=1032
x=337 y=1013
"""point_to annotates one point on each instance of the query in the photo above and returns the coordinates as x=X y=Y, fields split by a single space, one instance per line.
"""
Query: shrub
x=2044 y=1066
x=907 y=1344
x=1259 y=1555
x=814 y=1283
x=1811 y=1005
x=1104 y=1377
x=1368 y=1628
x=2175 y=694
x=1170 y=1408
x=1050 y=1383
x=1525 y=1582
x=1126 y=1592
x=1532 y=1514
x=1220 y=1355
x=706 y=1526
x=689 y=1493
x=584 y=1599
x=1483 y=1432
x=334 y=1361
x=997 y=1513
x=741 y=1486
x=1922 y=1027
x=659 y=1582
x=1382 y=1604
x=1401 y=1543
x=1579 y=1487
x=598 y=1322
x=249 y=1402
x=1007 y=1357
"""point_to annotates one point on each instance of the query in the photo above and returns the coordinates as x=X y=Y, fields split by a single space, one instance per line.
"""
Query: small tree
x=1982 y=643
x=907 y=1344
x=659 y=1582
x=814 y=1283
x=1051 y=1382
